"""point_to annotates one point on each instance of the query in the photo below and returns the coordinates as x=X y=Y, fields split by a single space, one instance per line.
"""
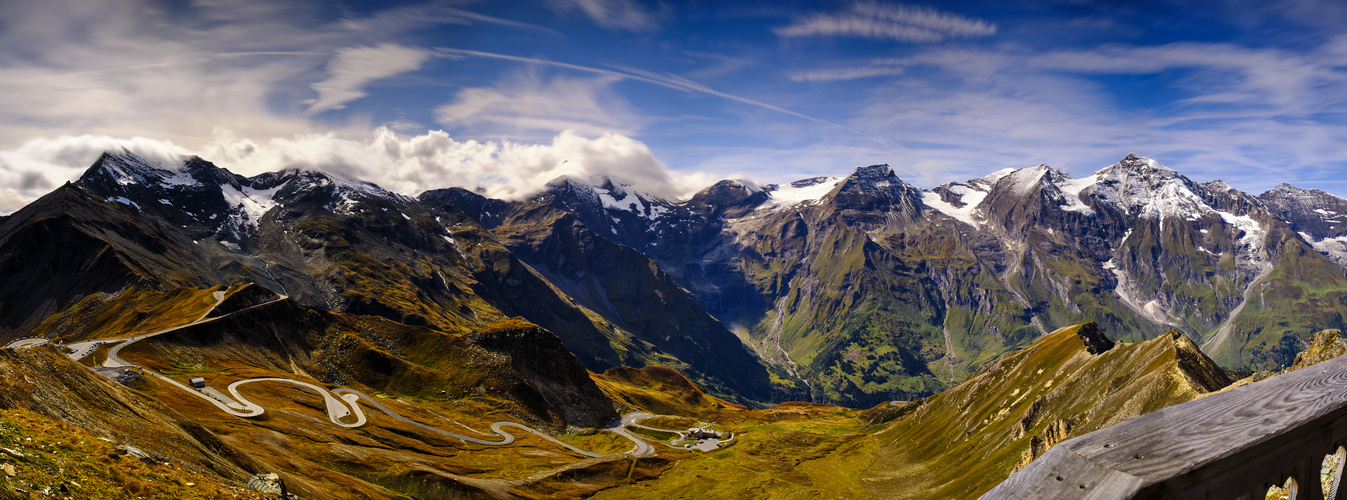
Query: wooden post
x=1335 y=489
x=1307 y=476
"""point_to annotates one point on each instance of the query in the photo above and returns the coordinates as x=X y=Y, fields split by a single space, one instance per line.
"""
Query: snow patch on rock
x=964 y=214
x=123 y=200
x=1253 y=231
x=248 y=204
x=1071 y=189
x=1334 y=248
x=804 y=191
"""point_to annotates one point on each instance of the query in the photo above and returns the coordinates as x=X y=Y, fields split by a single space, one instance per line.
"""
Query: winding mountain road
x=30 y=342
x=342 y=403
x=641 y=448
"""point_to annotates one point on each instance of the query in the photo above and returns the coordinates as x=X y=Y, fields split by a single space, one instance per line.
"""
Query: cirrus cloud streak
x=900 y=23
x=353 y=68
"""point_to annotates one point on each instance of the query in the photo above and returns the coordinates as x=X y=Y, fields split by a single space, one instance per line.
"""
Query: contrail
x=644 y=76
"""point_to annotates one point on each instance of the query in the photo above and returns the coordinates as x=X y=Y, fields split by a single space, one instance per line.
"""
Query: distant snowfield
x=790 y=195
x=971 y=198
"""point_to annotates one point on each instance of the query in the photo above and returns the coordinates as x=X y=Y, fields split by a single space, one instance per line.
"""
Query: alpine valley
x=848 y=336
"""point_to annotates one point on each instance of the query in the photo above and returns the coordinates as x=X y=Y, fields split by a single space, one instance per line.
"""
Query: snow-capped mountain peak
x=1135 y=165
x=608 y=198
x=1142 y=186
x=1023 y=180
x=621 y=195
x=196 y=192
x=1284 y=193
x=126 y=168
x=300 y=181
x=873 y=179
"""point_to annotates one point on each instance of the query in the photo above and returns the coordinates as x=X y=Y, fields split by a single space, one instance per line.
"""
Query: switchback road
x=342 y=403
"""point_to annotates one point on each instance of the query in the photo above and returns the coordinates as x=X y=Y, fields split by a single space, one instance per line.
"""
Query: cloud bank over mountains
x=407 y=164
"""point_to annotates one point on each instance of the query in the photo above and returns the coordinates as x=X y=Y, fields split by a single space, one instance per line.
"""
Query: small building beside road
x=703 y=433
x=199 y=383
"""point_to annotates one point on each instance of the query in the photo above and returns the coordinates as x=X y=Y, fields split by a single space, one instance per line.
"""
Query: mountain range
x=852 y=290
x=865 y=288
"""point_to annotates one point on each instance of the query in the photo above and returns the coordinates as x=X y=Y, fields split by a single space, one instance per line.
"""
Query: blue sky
x=505 y=95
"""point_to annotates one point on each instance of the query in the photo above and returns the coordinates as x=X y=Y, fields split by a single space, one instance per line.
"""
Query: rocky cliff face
x=630 y=292
x=1315 y=215
x=1326 y=345
x=553 y=383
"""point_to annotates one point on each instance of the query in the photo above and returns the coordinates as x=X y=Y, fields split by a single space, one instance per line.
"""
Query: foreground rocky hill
x=43 y=381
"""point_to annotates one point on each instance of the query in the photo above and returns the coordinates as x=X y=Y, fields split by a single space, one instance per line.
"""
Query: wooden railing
x=1227 y=446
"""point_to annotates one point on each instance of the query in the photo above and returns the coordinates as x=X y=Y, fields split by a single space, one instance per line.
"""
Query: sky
x=502 y=96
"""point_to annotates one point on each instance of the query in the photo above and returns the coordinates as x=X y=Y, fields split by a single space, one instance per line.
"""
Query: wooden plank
x=1257 y=416
x=1221 y=446
x=1232 y=475
x=1061 y=474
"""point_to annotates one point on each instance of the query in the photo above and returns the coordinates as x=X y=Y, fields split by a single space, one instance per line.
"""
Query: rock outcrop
x=1325 y=345
x=271 y=485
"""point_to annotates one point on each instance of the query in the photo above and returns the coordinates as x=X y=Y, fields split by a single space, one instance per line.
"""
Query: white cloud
x=836 y=74
x=1263 y=77
x=944 y=23
x=352 y=68
x=612 y=14
x=526 y=104
x=889 y=22
x=864 y=27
